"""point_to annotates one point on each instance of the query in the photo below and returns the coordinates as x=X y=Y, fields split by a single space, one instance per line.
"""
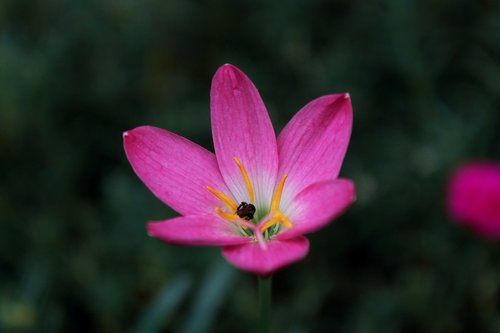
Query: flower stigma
x=243 y=214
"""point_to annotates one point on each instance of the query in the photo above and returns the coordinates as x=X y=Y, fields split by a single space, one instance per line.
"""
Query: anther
x=245 y=211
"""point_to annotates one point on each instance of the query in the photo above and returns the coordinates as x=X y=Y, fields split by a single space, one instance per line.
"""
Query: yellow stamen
x=229 y=217
x=275 y=203
x=247 y=180
x=284 y=220
x=278 y=217
x=230 y=204
x=268 y=224
x=226 y=216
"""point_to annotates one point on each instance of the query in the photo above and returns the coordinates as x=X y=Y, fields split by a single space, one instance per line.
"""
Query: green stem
x=265 y=304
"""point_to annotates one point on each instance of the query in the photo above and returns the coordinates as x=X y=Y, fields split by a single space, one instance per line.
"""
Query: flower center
x=243 y=213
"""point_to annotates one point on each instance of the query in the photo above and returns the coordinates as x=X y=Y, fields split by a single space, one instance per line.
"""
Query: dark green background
x=424 y=78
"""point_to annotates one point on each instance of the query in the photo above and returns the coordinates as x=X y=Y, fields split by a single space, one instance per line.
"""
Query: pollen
x=246 y=211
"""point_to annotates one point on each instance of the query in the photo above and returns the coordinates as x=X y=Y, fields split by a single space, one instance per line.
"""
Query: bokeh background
x=424 y=77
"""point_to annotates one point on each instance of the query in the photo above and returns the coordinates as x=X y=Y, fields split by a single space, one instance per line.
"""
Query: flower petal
x=279 y=253
x=201 y=230
x=175 y=169
x=318 y=205
x=473 y=198
x=241 y=128
x=313 y=144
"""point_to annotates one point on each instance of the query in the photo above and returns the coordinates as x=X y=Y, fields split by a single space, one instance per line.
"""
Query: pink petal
x=318 y=205
x=474 y=198
x=201 y=230
x=279 y=253
x=313 y=144
x=175 y=169
x=241 y=128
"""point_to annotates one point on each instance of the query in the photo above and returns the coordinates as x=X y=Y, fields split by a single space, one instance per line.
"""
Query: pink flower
x=474 y=197
x=258 y=195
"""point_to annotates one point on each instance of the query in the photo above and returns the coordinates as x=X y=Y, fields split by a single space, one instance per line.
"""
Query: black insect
x=245 y=211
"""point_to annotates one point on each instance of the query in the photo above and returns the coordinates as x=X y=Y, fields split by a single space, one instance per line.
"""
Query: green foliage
x=424 y=78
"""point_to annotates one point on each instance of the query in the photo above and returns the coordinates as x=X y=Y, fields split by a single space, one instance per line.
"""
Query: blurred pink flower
x=257 y=195
x=474 y=198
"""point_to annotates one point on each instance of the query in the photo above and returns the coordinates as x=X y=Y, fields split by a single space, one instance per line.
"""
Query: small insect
x=245 y=211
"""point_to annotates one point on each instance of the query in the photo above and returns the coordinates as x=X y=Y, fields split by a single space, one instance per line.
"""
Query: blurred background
x=424 y=77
